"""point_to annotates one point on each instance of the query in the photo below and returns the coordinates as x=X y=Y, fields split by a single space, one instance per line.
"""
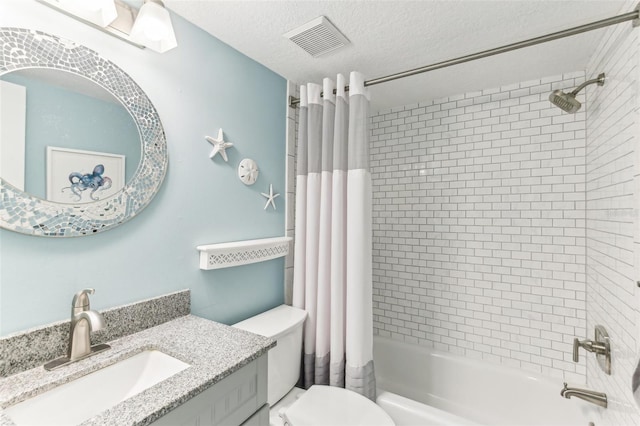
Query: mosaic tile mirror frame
x=24 y=213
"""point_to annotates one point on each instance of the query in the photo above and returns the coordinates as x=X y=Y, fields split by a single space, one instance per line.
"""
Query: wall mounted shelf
x=224 y=255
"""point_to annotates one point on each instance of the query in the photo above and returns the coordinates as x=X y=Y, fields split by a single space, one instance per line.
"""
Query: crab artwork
x=93 y=181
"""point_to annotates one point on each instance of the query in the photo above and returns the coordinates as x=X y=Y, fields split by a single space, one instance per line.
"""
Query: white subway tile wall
x=613 y=163
x=479 y=226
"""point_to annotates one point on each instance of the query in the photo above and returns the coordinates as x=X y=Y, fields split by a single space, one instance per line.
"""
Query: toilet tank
x=283 y=324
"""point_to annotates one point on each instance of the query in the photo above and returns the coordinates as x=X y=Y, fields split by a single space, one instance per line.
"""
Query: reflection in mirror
x=69 y=112
x=86 y=173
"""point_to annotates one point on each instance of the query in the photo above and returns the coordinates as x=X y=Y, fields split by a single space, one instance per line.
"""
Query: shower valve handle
x=600 y=345
x=588 y=345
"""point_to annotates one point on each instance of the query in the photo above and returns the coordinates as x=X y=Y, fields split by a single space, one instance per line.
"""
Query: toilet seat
x=329 y=405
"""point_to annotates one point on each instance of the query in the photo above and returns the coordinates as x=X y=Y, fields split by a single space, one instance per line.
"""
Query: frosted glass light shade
x=100 y=12
x=153 y=27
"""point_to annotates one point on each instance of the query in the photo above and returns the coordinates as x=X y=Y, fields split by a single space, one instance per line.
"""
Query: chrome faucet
x=83 y=322
x=593 y=397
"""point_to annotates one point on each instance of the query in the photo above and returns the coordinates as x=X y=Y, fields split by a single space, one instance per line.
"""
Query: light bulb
x=154 y=29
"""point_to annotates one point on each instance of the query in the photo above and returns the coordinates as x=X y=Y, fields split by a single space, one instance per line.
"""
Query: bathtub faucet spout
x=593 y=397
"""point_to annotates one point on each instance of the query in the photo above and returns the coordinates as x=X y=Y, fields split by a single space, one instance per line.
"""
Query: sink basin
x=87 y=396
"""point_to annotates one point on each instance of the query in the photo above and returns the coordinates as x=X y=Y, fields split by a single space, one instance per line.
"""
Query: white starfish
x=270 y=197
x=219 y=145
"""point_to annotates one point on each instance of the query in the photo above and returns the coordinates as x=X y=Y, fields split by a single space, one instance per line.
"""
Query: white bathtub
x=457 y=391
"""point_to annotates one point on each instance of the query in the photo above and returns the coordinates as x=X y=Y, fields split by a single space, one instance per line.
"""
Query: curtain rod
x=631 y=16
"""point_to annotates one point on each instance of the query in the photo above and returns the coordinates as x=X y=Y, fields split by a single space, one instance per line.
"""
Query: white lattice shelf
x=224 y=255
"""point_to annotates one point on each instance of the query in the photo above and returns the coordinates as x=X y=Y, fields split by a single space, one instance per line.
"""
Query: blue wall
x=197 y=88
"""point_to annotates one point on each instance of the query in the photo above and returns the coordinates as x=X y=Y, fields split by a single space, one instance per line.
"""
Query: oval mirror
x=82 y=148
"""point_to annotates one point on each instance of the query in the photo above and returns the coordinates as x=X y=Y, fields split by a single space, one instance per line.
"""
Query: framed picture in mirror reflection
x=79 y=177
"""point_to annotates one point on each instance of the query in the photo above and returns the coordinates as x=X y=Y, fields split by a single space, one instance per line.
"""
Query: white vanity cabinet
x=238 y=399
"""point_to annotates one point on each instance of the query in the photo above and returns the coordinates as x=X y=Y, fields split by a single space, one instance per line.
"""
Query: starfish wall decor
x=219 y=145
x=270 y=197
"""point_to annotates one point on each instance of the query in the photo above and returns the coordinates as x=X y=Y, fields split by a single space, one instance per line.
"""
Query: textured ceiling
x=393 y=36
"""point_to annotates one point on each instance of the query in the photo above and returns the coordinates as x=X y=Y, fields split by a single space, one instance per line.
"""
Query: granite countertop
x=213 y=350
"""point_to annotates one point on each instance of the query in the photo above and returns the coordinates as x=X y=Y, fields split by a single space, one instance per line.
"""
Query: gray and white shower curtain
x=332 y=258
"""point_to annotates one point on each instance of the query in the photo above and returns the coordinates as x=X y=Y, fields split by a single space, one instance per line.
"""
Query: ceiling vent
x=318 y=37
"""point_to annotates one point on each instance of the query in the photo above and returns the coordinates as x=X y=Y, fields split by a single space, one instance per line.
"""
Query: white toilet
x=320 y=405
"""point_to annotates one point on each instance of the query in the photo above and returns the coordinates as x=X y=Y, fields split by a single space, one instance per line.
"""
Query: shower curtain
x=332 y=258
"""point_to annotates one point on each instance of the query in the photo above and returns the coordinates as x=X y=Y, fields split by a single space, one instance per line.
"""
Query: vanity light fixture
x=99 y=12
x=150 y=26
x=153 y=28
